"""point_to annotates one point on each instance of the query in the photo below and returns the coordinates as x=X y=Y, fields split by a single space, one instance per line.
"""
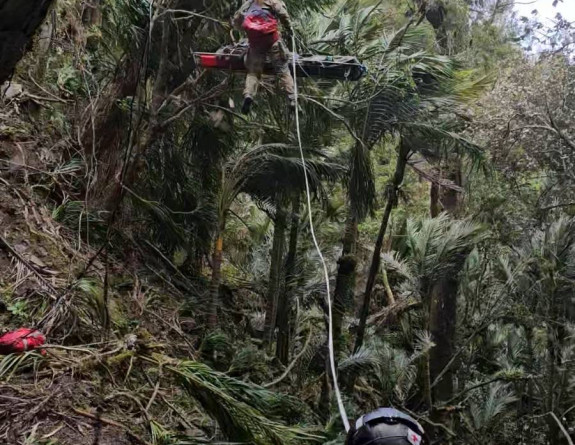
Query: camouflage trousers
x=255 y=61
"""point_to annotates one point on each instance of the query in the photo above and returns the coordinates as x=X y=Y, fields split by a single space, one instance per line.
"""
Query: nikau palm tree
x=265 y=172
x=409 y=87
x=290 y=281
x=541 y=275
x=431 y=255
x=407 y=112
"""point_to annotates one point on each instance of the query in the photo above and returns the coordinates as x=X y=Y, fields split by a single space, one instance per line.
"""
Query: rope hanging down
x=342 y=412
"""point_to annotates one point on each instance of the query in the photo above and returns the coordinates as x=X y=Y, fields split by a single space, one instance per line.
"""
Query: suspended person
x=386 y=426
x=259 y=19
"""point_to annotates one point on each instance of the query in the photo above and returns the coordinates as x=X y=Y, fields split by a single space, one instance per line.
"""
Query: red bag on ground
x=21 y=340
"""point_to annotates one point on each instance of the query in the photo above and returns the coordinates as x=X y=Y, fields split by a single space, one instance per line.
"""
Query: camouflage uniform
x=278 y=52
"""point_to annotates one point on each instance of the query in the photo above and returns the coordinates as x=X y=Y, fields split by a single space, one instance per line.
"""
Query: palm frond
x=425 y=137
x=487 y=411
x=268 y=170
x=397 y=375
x=91 y=304
x=423 y=344
x=244 y=412
x=397 y=39
x=393 y=262
x=12 y=363
x=392 y=105
x=364 y=360
x=160 y=435
x=431 y=249
x=458 y=241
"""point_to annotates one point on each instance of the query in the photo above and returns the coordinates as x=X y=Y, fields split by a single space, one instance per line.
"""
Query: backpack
x=261 y=26
x=21 y=340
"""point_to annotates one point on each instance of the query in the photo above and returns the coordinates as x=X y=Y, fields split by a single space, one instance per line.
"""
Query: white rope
x=342 y=412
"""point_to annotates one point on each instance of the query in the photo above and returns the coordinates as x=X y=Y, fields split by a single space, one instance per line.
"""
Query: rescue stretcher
x=232 y=57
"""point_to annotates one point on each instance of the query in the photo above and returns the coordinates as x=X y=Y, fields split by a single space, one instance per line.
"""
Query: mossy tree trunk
x=442 y=324
x=434 y=204
x=275 y=274
x=345 y=281
x=450 y=198
x=286 y=297
x=376 y=258
x=216 y=280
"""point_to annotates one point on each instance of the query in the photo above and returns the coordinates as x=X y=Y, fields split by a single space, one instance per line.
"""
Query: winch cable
x=331 y=350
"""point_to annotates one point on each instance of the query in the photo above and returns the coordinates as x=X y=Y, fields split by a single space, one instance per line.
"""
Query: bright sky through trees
x=545 y=8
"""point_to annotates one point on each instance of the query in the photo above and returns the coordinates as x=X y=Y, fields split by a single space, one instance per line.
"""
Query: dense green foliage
x=442 y=194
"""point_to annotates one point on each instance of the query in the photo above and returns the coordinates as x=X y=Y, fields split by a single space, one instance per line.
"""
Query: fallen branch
x=432 y=177
x=562 y=428
x=30 y=267
x=388 y=290
x=156 y=389
x=430 y=422
x=389 y=313
x=480 y=385
x=54 y=97
x=39 y=99
x=292 y=364
x=111 y=423
x=551 y=207
x=188 y=14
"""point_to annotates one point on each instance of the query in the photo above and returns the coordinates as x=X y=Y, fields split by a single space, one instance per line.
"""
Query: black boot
x=247 y=105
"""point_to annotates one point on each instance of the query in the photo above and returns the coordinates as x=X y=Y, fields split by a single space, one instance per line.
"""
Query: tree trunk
x=554 y=389
x=325 y=394
x=376 y=259
x=216 y=281
x=442 y=324
x=389 y=293
x=285 y=302
x=345 y=280
x=45 y=37
x=104 y=136
x=19 y=20
x=550 y=402
x=105 y=140
x=275 y=274
x=446 y=199
x=92 y=14
x=434 y=205
x=143 y=139
x=450 y=199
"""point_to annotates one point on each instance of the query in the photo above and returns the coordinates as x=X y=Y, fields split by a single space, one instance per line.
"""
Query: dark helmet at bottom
x=386 y=426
